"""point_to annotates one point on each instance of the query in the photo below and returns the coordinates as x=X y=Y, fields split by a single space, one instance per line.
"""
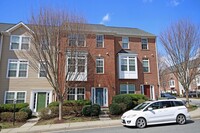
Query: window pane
x=25 y=39
x=144 y=43
x=15 y=39
x=125 y=41
x=123 y=67
x=25 y=46
x=131 y=88
x=146 y=65
x=99 y=65
x=12 y=66
x=123 y=89
x=23 y=67
x=71 y=97
x=99 y=41
x=15 y=46
x=22 y=73
x=10 y=95
x=80 y=97
x=12 y=73
x=20 y=95
x=131 y=64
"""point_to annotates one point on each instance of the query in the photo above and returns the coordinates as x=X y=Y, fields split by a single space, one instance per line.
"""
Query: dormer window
x=19 y=42
x=125 y=42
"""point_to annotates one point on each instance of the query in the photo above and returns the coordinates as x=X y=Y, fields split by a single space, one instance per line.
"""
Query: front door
x=147 y=90
x=41 y=100
x=99 y=96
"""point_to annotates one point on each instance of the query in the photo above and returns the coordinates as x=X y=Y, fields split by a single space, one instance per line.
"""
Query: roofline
x=16 y=26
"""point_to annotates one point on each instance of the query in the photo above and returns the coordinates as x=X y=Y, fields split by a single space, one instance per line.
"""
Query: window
x=128 y=64
x=14 y=95
x=19 y=42
x=172 y=83
x=76 y=93
x=17 y=68
x=127 y=88
x=77 y=64
x=99 y=65
x=144 y=42
x=125 y=42
x=100 y=41
x=76 y=40
x=145 y=63
x=42 y=72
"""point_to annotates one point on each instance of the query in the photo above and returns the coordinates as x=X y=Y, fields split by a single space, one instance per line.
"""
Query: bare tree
x=181 y=42
x=57 y=37
x=162 y=68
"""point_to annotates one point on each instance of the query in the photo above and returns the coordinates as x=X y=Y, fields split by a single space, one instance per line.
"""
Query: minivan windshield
x=141 y=106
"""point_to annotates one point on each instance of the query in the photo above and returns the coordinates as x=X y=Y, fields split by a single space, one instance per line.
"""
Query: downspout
x=157 y=69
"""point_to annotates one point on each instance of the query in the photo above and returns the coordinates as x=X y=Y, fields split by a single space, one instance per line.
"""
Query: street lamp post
x=14 y=103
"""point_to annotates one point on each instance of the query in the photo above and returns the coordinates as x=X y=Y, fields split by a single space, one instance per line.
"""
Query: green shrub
x=86 y=111
x=76 y=102
x=54 y=111
x=27 y=110
x=129 y=100
x=115 y=109
x=10 y=107
x=53 y=104
x=7 y=116
x=21 y=116
x=45 y=114
x=122 y=106
x=95 y=110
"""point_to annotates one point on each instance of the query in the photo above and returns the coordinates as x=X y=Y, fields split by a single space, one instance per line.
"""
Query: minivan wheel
x=141 y=123
x=180 y=119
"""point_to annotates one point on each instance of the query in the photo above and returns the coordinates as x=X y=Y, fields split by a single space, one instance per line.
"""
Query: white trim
x=20 y=42
x=15 y=96
x=36 y=92
x=18 y=62
x=152 y=92
x=18 y=25
x=127 y=74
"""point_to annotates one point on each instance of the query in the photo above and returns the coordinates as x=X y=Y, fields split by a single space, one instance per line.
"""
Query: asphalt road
x=192 y=101
x=192 y=126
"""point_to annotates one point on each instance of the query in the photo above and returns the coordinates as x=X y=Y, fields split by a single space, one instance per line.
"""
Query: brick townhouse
x=169 y=83
x=119 y=61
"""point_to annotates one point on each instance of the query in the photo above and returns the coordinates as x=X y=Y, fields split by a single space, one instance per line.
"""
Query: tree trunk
x=187 y=98
x=60 y=110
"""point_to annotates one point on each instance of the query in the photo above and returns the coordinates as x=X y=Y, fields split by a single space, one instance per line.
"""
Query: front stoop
x=104 y=114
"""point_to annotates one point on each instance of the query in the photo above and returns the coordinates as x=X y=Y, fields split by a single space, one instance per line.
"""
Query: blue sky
x=150 y=15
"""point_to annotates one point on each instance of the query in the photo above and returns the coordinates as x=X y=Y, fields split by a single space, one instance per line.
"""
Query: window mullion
x=18 y=64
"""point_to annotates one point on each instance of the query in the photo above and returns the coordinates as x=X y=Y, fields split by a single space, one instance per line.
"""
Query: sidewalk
x=69 y=126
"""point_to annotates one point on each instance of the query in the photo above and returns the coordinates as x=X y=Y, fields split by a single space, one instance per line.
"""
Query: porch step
x=104 y=114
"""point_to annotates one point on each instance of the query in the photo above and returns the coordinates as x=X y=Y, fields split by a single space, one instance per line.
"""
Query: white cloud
x=106 y=18
x=174 y=2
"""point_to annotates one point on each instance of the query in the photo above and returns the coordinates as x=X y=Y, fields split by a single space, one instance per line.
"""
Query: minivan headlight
x=131 y=116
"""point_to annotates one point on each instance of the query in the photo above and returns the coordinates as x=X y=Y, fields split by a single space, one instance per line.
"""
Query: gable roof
x=97 y=28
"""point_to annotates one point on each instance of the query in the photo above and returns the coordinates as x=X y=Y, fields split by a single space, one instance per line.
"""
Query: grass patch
x=5 y=125
x=115 y=117
x=67 y=119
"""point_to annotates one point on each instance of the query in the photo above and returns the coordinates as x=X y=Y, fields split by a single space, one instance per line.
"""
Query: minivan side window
x=167 y=104
x=156 y=105
x=178 y=103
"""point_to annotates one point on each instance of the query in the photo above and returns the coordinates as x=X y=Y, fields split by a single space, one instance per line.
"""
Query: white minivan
x=156 y=112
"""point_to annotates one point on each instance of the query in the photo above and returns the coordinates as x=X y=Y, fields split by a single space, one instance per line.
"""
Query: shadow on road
x=160 y=125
